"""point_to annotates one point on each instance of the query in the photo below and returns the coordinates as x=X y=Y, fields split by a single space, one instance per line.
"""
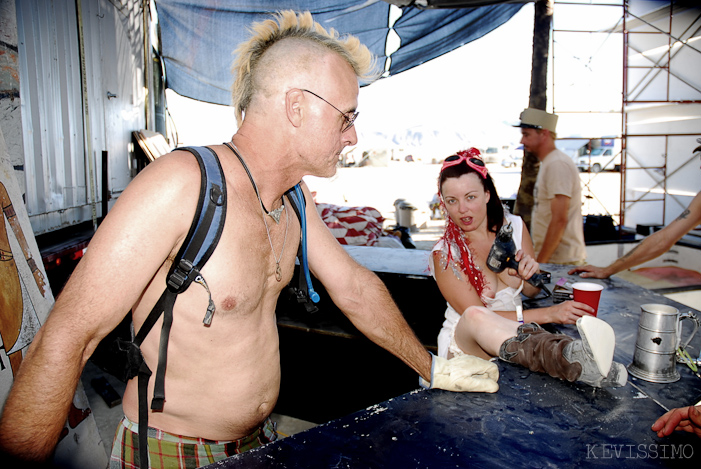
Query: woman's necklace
x=274 y=214
x=276 y=217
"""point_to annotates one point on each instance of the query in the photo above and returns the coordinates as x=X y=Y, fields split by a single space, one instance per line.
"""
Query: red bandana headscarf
x=454 y=236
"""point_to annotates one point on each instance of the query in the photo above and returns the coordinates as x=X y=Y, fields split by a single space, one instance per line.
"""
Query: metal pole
x=86 y=114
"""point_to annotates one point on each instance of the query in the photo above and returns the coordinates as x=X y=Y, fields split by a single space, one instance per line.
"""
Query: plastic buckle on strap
x=157 y=404
x=302 y=297
x=216 y=195
x=180 y=274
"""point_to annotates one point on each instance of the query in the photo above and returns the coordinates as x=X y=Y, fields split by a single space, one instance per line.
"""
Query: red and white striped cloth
x=354 y=226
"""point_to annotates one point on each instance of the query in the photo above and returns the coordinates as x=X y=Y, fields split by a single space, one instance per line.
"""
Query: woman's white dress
x=506 y=299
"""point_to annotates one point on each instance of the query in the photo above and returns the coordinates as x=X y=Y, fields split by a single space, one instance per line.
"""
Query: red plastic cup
x=588 y=293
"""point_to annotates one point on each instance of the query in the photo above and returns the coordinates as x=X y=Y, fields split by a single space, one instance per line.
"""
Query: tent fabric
x=198 y=37
x=427 y=34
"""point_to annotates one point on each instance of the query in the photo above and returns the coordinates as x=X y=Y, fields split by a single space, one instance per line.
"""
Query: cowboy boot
x=589 y=360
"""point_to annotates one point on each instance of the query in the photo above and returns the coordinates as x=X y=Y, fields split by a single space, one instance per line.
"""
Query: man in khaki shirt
x=556 y=222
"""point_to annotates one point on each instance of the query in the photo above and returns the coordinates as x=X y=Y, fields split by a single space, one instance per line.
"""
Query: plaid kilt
x=167 y=450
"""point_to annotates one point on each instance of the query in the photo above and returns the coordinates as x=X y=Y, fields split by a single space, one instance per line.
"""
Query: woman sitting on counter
x=485 y=317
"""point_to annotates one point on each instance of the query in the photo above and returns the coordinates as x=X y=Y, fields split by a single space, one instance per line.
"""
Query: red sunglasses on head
x=471 y=156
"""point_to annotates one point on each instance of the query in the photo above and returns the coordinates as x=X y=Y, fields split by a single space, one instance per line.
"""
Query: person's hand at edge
x=686 y=419
x=589 y=271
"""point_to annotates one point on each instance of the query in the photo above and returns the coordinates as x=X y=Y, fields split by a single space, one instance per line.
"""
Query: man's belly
x=219 y=393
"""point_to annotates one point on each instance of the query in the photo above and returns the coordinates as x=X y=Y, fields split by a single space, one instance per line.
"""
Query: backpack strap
x=207 y=225
x=305 y=292
x=201 y=240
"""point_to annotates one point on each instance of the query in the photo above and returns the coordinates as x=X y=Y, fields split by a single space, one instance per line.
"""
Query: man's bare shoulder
x=175 y=168
x=155 y=209
x=171 y=181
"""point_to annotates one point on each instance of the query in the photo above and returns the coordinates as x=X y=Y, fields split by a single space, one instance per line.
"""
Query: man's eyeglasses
x=472 y=157
x=347 y=116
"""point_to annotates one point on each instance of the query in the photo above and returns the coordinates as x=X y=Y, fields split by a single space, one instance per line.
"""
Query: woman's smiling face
x=466 y=201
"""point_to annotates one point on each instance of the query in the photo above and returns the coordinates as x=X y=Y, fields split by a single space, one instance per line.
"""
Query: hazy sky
x=472 y=89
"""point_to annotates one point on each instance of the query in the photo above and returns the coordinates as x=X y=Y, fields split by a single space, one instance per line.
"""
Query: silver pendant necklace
x=278 y=271
x=274 y=214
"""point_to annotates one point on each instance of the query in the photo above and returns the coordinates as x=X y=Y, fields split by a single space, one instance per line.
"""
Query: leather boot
x=540 y=351
x=589 y=360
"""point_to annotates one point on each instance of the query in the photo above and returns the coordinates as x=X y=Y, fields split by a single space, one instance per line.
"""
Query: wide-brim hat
x=537 y=119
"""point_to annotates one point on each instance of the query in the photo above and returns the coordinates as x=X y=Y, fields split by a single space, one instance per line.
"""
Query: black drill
x=501 y=257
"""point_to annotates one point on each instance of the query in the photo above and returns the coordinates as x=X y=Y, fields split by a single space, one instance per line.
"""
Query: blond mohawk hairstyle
x=287 y=24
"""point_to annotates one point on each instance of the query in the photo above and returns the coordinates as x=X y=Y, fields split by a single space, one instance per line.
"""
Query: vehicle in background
x=512 y=161
x=600 y=159
x=491 y=155
x=513 y=156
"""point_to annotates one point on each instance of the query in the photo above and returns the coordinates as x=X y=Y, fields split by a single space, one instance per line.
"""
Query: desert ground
x=415 y=182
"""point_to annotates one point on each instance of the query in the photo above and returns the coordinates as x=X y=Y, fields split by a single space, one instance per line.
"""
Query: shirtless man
x=295 y=94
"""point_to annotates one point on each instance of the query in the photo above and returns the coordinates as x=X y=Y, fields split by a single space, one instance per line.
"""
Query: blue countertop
x=532 y=421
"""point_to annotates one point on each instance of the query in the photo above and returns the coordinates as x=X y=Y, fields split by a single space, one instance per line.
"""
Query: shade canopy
x=198 y=37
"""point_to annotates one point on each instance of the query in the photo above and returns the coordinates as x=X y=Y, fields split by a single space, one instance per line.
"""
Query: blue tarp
x=427 y=34
x=198 y=37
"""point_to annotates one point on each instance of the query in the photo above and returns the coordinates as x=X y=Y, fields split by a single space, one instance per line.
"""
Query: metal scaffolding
x=651 y=59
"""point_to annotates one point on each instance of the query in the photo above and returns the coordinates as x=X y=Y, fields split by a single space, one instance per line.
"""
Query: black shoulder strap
x=201 y=240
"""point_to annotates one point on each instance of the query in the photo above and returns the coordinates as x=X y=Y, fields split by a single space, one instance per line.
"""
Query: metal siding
x=123 y=72
x=57 y=168
x=51 y=113
x=28 y=88
x=94 y=17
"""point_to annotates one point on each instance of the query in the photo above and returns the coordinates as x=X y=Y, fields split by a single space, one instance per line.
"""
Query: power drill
x=501 y=257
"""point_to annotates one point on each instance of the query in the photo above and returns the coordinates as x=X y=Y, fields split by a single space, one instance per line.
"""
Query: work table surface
x=534 y=420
